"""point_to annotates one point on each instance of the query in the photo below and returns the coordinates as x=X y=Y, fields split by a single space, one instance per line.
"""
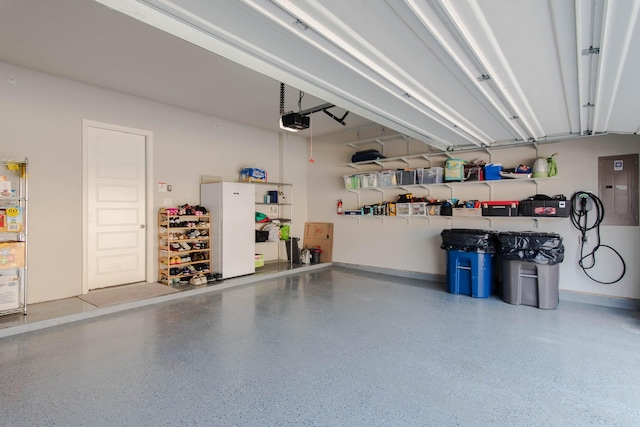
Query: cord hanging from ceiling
x=311 y=139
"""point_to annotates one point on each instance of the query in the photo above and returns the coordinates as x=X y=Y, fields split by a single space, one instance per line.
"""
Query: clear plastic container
x=432 y=175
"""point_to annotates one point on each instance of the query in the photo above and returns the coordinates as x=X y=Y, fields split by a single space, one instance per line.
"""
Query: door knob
x=142 y=226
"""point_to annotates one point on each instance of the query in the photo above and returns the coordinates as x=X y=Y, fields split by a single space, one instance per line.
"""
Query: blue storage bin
x=492 y=172
x=470 y=273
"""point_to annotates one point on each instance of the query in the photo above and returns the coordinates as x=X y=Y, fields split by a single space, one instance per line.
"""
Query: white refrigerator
x=232 y=208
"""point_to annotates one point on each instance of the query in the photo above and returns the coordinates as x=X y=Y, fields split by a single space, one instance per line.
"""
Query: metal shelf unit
x=280 y=212
x=13 y=236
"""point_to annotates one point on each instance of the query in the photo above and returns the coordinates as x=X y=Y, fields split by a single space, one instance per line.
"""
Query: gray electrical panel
x=618 y=189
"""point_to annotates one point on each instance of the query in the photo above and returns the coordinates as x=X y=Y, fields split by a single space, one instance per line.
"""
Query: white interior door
x=116 y=208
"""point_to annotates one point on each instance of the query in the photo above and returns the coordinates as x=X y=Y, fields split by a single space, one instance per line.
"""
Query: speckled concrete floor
x=330 y=347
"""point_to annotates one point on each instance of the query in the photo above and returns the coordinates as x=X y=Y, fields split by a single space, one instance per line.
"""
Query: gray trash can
x=315 y=255
x=530 y=268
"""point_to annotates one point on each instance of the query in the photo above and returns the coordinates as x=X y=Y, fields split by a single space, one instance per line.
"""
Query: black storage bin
x=545 y=208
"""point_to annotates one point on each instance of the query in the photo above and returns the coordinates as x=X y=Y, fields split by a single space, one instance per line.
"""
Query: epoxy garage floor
x=331 y=347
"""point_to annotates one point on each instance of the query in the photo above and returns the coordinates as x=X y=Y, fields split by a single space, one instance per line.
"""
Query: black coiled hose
x=580 y=220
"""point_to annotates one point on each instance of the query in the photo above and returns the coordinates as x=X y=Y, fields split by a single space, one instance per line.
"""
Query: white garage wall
x=414 y=246
x=41 y=118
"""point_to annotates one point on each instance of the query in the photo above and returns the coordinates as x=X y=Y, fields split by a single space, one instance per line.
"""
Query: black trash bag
x=468 y=240
x=540 y=248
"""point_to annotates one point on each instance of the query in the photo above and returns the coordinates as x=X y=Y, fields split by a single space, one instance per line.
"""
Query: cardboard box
x=11 y=220
x=9 y=290
x=319 y=235
x=11 y=255
x=466 y=212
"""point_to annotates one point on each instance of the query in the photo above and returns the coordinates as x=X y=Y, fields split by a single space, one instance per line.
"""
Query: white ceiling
x=451 y=73
x=85 y=41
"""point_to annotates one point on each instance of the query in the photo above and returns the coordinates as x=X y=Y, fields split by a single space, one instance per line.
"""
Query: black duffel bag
x=366 y=155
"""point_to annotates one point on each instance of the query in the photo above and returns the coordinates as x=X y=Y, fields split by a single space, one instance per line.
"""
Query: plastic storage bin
x=433 y=210
x=418 y=209
x=403 y=209
x=470 y=273
x=351 y=182
x=387 y=178
x=532 y=284
x=432 y=175
x=406 y=177
x=369 y=180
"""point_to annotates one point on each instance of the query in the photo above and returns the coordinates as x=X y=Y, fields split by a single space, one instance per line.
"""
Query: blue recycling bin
x=470 y=273
x=470 y=261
